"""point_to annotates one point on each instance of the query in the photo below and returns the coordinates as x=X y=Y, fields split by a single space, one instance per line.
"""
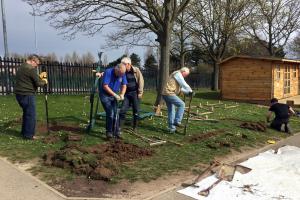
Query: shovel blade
x=226 y=172
x=242 y=169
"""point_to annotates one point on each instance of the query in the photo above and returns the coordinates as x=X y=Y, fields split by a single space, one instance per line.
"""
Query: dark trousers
x=110 y=106
x=130 y=99
x=277 y=123
x=27 y=103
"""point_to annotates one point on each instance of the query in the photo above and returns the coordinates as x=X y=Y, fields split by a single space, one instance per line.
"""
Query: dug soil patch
x=99 y=162
x=256 y=126
x=56 y=127
x=204 y=136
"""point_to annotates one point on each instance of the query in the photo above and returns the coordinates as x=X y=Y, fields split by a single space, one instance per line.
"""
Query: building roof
x=261 y=58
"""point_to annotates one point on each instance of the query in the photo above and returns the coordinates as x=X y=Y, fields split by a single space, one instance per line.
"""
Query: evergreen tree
x=135 y=60
x=151 y=63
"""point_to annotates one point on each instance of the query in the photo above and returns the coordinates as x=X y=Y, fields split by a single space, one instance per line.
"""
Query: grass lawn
x=167 y=158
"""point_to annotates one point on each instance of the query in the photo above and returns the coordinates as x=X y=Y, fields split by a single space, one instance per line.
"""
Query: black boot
x=287 y=128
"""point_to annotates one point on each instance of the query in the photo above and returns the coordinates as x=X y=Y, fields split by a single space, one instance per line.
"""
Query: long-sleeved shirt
x=27 y=80
x=184 y=87
x=175 y=84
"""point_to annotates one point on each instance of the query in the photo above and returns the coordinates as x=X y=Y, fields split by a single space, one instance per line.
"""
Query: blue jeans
x=174 y=118
x=110 y=106
x=27 y=103
x=130 y=99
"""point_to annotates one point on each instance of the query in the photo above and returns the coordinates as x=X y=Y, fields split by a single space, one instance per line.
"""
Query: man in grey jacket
x=134 y=91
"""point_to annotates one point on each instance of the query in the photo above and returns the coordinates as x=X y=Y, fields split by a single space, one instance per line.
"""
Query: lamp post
x=4 y=29
x=34 y=29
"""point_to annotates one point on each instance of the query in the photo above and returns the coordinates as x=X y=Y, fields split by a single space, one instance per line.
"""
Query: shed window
x=287 y=80
x=278 y=72
x=295 y=71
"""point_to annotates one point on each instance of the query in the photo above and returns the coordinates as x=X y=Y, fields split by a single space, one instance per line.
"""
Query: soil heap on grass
x=204 y=136
x=256 y=126
x=100 y=162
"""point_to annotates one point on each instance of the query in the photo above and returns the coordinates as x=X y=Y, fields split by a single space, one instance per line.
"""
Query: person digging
x=27 y=82
x=176 y=84
x=113 y=82
x=133 y=94
x=282 y=114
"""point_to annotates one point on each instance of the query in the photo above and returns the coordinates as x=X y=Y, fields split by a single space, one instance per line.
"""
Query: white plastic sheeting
x=273 y=176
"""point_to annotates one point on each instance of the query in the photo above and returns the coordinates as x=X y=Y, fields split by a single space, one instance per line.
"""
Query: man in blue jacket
x=113 y=82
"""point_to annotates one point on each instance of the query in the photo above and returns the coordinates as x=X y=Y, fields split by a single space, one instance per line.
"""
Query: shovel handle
x=208 y=169
x=188 y=114
x=206 y=191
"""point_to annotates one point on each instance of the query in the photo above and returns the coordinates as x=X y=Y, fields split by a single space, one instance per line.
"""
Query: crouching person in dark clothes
x=134 y=91
x=27 y=82
x=114 y=79
x=282 y=114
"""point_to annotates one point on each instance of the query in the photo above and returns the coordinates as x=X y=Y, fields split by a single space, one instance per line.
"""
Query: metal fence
x=72 y=78
x=63 y=78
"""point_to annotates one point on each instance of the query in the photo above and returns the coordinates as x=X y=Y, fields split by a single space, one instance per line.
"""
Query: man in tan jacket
x=174 y=86
x=134 y=91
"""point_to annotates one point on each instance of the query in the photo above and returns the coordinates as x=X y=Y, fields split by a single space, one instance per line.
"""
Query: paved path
x=16 y=184
x=173 y=195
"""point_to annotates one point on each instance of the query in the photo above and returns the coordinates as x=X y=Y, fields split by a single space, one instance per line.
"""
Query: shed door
x=287 y=80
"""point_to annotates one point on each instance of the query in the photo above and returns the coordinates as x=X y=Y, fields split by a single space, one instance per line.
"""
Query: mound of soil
x=99 y=162
x=68 y=128
x=256 y=126
x=73 y=137
x=51 y=139
x=122 y=152
x=201 y=137
x=55 y=127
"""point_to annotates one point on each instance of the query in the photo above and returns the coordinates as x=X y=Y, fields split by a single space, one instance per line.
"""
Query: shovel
x=203 y=174
x=188 y=115
x=226 y=173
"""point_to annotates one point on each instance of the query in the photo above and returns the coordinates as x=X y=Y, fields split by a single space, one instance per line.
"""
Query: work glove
x=99 y=74
x=117 y=97
x=121 y=97
x=45 y=80
x=43 y=75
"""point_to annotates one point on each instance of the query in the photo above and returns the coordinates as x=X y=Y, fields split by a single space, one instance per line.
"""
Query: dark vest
x=131 y=81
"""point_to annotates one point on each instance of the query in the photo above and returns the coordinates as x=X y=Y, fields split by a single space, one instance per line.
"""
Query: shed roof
x=261 y=58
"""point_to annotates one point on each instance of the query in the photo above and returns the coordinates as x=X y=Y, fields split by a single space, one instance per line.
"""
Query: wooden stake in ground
x=148 y=140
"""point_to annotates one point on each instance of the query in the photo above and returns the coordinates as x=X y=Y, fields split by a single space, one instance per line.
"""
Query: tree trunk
x=182 y=59
x=215 y=80
x=164 y=64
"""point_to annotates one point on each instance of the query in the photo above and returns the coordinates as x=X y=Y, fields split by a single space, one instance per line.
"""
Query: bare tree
x=273 y=22
x=90 y=16
x=87 y=58
x=75 y=57
x=294 y=47
x=181 y=39
x=67 y=58
x=51 y=57
x=214 y=23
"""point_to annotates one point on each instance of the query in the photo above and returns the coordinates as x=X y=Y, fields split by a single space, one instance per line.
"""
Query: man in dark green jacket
x=27 y=82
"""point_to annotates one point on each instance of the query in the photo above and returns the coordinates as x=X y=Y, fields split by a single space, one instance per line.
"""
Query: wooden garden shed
x=258 y=78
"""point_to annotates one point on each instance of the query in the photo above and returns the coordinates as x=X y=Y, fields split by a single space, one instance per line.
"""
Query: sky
x=20 y=34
